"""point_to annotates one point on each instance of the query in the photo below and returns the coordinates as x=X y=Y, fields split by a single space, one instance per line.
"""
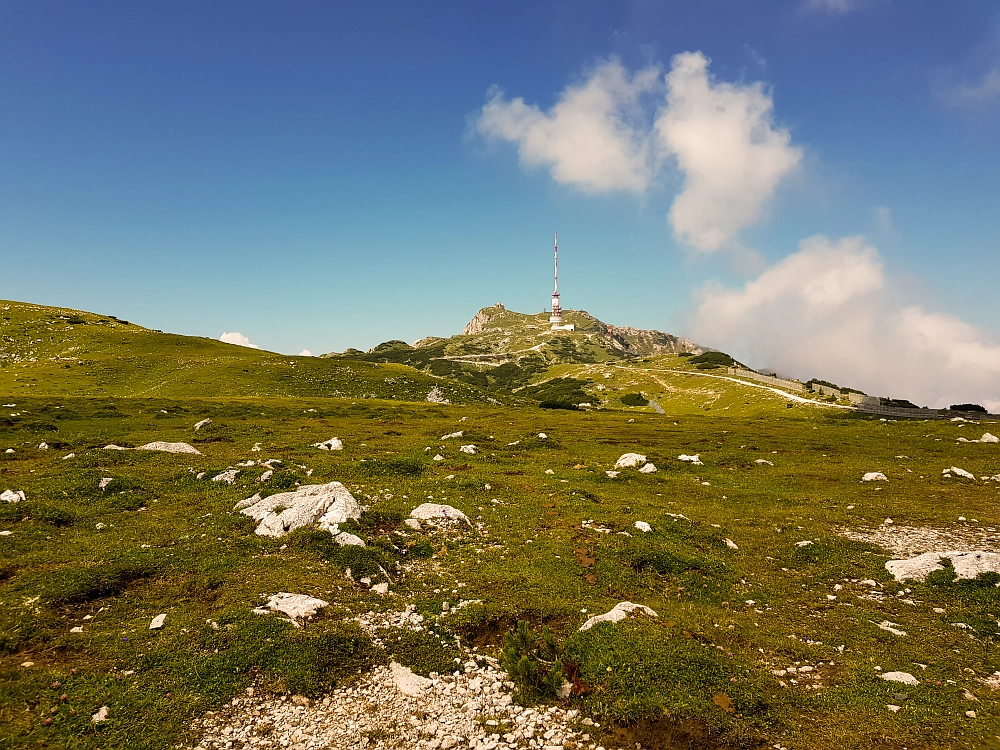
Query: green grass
x=171 y=543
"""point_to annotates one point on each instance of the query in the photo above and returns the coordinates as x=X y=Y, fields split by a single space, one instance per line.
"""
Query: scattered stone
x=381 y=588
x=77 y=629
x=412 y=523
x=695 y=459
x=874 y=476
x=470 y=449
x=9 y=450
x=904 y=677
x=102 y=485
x=764 y=462
x=618 y=613
x=890 y=627
x=643 y=526
x=348 y=540
x=101 y=715
x=438 y=457
x=113 y=447
x=5 y=532
x=68 y=456
x=549 y=471
x=10 y=496
x=435 y=396
x=970 y=714
x=158 y=621
x=407 y=682
x=324 y=506
x=959 y=472
x=612 y=474
x=804 y=543
x=967 y=565
x=228 y=476
x=894 y=708
x=333 y=444
x=99 y=525
x=451 y=435
x=159 y=445
x=730 y=543
x=988 y=438
x=648 y=469
x=542 y=436
x=43 y=446
x=266 y=475
x=198 y=425
x=27 y=664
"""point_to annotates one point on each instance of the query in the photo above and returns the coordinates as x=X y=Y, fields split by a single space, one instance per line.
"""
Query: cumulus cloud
x=828 y=311
x=235 y=337
x=725 y=143
x=593 y=138
x=617 y=131
x=305 y=353
x=829 y=6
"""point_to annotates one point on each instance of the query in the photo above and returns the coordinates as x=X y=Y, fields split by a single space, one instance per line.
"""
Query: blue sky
x=324 y=175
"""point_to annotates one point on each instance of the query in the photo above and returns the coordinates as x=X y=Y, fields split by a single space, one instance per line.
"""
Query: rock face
x=629 y=460
x=618 y=613
x=159 y=445
x=966 y=564
x=324 y=506
x=436 y=512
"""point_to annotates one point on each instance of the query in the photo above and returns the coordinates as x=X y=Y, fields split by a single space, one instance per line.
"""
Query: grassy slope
x=536 y=561
x=46 y=350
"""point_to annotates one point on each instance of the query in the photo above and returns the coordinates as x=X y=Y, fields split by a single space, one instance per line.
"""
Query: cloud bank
x=235 y=337
x=828 y=311
x=618 y=131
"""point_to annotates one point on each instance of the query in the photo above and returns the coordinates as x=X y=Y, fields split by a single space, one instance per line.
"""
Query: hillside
x=504 y=350
x=58 y=351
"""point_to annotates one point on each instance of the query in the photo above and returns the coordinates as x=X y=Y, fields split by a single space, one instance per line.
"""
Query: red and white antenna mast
x=556 y=317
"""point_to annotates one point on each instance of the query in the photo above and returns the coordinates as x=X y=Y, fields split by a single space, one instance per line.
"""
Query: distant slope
x=503 y=350
x=50 y=350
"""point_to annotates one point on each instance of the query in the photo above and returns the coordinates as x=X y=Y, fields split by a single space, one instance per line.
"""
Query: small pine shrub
x=634 y=399
x=533 y=660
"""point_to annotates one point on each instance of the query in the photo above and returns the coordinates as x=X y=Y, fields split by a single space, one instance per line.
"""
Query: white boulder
x=101 y=715
x=966 y=564
x=266 y=475
x=959 y=473
x=296 y=606
x=43 y=446
x=618 y=613
x=904 y=677
x=648 y=469
x=159 y=445
x=158 y=621
x=437 y=512
x=630 y=460
x=333 y=444
x=348 y=540
x=228 y=476
x=324 y=506
x=643 y=526
x=202 y=423
x=612 y=474
x=874 y=476
x=10 y=496
x=764 y=462
x=470 y=449
x=451 y=435
x=988 y=438
x=695 y=459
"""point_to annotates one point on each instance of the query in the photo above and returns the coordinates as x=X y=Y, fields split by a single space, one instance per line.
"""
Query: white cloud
x=235 y=337
x=828 y=311
x=725 y=143
x=616 y=131
x=305 y=353
x=593 y=138
x=984 y=90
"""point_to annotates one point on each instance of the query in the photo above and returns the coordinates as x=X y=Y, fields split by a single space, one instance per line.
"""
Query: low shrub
x=634 y=399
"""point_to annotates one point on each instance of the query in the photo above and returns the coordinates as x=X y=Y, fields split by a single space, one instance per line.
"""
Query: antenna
x=555 y=253
x=556 y=318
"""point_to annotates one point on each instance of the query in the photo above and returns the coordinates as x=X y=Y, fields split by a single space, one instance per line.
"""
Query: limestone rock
x=648 y=469
x=101 y=715
x=296 y=606
x=104 y=483
x=695 y=459
x=158 y=621
x=10 y=496
x=323 y=505
x=629 y=460
x=159 y=445
x=438 y=512
x=904 y=677
x=470 y=449
x=966 y=564
x=874 y=476
x=407 y=682
x=618 y=613
x=333 y=444
x=988 y=438
x=228 y=476
x=643 y=526
x=198 y=425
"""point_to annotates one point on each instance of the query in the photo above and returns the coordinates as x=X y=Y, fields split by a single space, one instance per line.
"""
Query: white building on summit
x=556 y=317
